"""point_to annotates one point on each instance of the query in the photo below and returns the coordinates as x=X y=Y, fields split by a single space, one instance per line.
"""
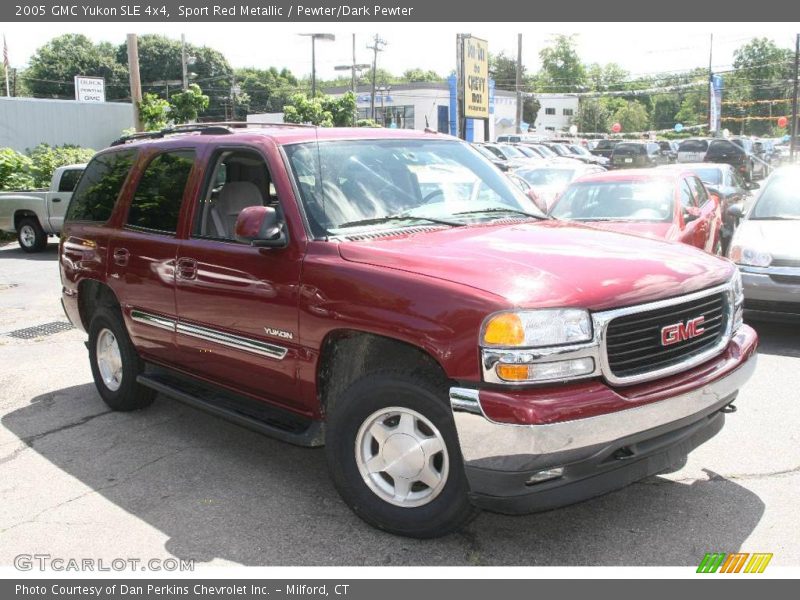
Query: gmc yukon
x=392 y=296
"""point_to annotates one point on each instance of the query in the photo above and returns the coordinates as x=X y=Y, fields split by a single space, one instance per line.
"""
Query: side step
x=254 y=415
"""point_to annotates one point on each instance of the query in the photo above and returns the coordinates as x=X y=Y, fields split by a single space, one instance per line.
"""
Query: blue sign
x=678 y=127
x=786 y=138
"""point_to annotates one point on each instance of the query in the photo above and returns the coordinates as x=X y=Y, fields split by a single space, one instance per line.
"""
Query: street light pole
x=328 y=37
x=354 y=69
x=793 y=141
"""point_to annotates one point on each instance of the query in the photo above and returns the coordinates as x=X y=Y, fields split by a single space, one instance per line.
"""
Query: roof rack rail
x=212 y=128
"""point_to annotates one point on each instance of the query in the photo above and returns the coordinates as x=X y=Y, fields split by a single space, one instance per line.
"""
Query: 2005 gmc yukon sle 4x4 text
x=394 y=297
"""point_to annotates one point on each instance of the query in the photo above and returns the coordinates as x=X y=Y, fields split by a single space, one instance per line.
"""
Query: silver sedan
x=766 y=247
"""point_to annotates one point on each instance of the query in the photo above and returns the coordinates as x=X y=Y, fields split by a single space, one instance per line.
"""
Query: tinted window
x=157 y=201
x=693 y=146
x=69 y=179
x=722 y=147
x=100 y=185
x=629 y=149
x=606 y=144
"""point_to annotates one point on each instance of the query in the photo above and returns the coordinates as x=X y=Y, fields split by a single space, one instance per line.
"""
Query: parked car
x=633 y=155
x=513 y=157
x=692 y=150
x=734 y=152
x=561 y=150
x=723 y=181
x=669 y=150
x=497 y=161
x=765 y=247
x=529 y=152
x=391 y=295
x=36 y=214
x=759 y=168
x=669 y=205
x=548 y=181
x=583 y=155
x=604 y=148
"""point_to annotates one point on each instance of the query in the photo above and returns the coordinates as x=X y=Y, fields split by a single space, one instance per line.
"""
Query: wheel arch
x=24 y=213
x=92 y=294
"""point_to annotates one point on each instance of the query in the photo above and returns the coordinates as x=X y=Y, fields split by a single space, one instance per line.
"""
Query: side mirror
x=540 y=204
x=751 y=185
x=735 y=211
x=260 y=226
x=691 y=213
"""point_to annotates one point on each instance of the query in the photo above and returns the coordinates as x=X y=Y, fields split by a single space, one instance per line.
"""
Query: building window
x=396 y=117
x=550 y=111
x=568 y=112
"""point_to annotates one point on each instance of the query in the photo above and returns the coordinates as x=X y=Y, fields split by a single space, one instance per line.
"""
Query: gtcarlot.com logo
x=45 y=562
x=736 y=562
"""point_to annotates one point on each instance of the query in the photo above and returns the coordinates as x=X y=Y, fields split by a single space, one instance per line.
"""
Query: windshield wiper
x=503 y=210
x=390 y=218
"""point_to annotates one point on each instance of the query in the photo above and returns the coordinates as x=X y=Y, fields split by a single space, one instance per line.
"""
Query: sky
x=640 y=48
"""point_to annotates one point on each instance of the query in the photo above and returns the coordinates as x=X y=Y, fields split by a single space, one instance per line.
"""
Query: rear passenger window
x=69 y=180
x=97 y=191
x=156 y=204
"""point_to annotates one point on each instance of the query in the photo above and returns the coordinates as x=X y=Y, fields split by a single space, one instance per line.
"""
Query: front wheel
x=31 y=236
x=394 y=457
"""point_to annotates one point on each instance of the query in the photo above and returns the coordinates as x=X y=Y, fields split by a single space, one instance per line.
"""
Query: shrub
x=45 y=159
x=14 y=170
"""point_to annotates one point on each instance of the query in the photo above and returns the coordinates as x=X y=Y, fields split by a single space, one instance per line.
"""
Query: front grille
x=633 y=342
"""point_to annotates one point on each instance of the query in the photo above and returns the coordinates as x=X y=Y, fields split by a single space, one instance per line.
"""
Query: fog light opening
x=545 y=475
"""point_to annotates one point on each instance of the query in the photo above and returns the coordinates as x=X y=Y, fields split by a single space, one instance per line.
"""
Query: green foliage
x=53 y=67
x=504 y=71
x=14 y=170
x=268 y=90
x=46 y=159
x=632 y=116
x=324 y=111
x=416 y=75
x=561 y=66
x=153 y=112
x=592 y=116
x=186 y=106
x=366 y=123
x=530 y=108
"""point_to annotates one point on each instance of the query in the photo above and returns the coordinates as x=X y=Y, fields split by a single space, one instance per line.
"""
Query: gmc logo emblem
x=680 y=332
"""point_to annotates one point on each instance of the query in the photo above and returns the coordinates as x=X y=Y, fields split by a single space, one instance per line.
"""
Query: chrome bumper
x=491 y=445
x=758 y=285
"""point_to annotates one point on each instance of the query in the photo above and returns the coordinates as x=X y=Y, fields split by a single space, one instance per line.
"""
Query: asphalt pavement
x=77 y=480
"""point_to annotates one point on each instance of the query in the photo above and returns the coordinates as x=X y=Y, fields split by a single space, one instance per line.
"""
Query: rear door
x=58 y=199
x=710 y=221
x=690 y=224
x=143 y=252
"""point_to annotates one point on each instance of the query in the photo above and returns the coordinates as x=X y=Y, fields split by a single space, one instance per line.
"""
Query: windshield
x=616 y=201
x=560 y=150
x=527 y=152
x=712 y=176
x=547 y=177
x=510 y=151
x=780 y=200
x=347 y=186
x=486 y=152
x=580 y=150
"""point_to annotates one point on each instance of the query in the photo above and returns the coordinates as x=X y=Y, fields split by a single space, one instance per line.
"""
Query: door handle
x=56 y=199
x=121 y=256
x=187 y=268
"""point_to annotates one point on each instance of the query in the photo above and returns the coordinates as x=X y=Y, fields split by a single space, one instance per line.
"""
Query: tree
x=53 y=67
x=14 y=170
x=45 y=159
x=605 y=77
x=153 y=111
x=592 y=116
x=632 y=116
x=503 y=69
x=324 y=111
x=562 y=68
x=268 y=90
x=418 y=75
x=530 y=108
x=187 y=105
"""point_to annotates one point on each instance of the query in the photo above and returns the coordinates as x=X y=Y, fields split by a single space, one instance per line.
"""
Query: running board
x=254 y=415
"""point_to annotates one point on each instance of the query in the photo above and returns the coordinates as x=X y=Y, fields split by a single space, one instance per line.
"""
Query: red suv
x=393 y=296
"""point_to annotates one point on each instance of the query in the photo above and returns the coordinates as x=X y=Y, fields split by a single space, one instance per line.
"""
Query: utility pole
x=793 y=141
x=136 y=83
x=328 y=37
x=354 y=69
x=710 y=82
x=234 y=91
x=377 y=46
x=518 y=85
x=184 y=70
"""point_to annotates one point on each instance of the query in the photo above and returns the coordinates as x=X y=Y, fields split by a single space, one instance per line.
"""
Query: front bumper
x=771 y=293
x=506 y=463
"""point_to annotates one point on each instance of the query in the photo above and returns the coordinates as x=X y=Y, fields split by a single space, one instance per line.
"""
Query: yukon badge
x=279 y=333
x=680 y=332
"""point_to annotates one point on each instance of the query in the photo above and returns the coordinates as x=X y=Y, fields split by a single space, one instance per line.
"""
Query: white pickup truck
x=34 y=215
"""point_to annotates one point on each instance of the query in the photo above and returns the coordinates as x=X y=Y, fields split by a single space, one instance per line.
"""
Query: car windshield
x=486 y=152
x=616 y=201
x=547 y=177
x=579 y=150
x=546 y=151
x=780 y=200
x=560 y=150
x=349 y=186
x=712 y=176
x=527 y=152
x=510 y=151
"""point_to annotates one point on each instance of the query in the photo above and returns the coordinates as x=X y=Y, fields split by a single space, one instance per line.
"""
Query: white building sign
x=90 y=89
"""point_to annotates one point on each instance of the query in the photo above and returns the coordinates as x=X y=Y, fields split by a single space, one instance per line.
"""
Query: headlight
x=750 y=257
x=537 y=328
x=737 y=300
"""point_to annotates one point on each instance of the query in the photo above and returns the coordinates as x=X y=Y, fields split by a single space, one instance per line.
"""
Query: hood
x=658 y=231
x=548 y=263
x=779 y=238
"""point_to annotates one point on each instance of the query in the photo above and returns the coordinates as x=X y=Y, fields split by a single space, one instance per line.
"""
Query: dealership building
x=433 y=105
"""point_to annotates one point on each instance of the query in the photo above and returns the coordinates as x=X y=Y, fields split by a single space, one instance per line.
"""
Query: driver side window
x=687 y=197
x=240 y=179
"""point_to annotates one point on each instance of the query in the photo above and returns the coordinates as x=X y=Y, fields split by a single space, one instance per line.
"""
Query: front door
x=238 y=304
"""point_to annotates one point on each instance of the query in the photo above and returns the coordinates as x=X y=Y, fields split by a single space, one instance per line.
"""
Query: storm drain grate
x=38 y=331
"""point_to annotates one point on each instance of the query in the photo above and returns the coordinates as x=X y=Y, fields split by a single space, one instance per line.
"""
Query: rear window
x=720 y=147
x=98 y=189
x=69 y=179
x=605 y=144
x=693 y=146
x=629 y=149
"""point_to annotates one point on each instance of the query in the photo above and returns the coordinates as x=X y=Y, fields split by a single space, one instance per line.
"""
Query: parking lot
x=78 y=480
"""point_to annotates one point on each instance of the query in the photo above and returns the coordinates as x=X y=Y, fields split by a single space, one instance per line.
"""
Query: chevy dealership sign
x=476 y=78
x=90 y=89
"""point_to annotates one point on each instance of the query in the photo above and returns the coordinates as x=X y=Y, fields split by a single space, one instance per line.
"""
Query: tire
x=31 y=236
x=115 y=372
x=428 y=510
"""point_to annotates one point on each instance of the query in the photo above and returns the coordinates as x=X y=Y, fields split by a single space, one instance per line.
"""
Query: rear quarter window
x=98 y=189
